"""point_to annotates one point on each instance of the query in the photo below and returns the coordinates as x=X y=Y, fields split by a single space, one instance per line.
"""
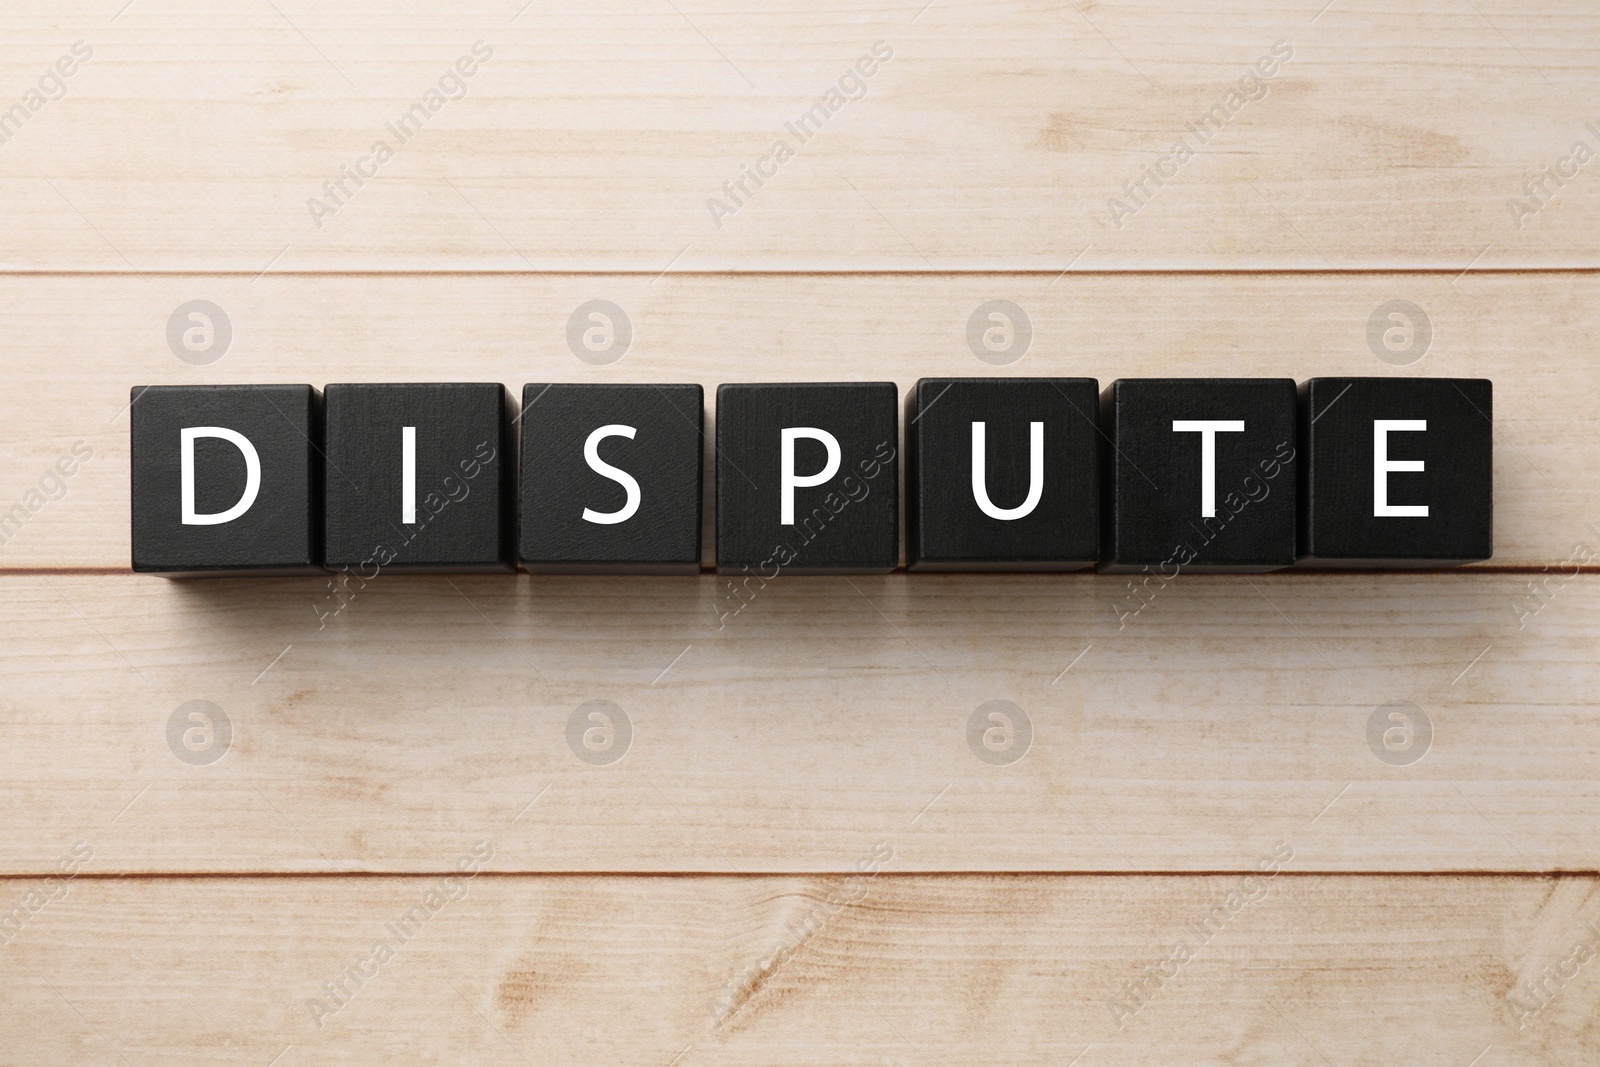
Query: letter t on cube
x=1200 y=474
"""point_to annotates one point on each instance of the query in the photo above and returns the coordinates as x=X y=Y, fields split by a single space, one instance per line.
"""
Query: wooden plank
x=1414 y=752
x=997 y=135
x=900 y=970
x=788 y=737
x=80 y=343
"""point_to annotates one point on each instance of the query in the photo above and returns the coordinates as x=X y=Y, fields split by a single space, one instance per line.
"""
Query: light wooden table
x=1207 y=853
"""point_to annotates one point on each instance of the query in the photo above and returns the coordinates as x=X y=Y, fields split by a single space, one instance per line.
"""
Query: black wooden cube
x=1033 y=501
x=418 y=478
x=1200 y=474
x=807 y=478
x=1396 y=472
x=225 y=479
x=610 y=479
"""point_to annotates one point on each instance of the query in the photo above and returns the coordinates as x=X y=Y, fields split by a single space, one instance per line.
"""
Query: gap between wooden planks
x=1013 y=969
x=77 y=345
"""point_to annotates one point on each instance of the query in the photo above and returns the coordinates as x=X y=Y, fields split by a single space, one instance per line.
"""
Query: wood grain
x=898 y=970
x=691 y=902
x=788 y=736
x=996 y=136
x=80 y=344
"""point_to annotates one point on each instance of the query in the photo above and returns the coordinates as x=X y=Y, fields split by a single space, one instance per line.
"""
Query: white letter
x=408 y=474
x=786 y=479
x=591 y=454
x=1208 y=457
x=1382 y=465
x=252 y=474
x=980 y=492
